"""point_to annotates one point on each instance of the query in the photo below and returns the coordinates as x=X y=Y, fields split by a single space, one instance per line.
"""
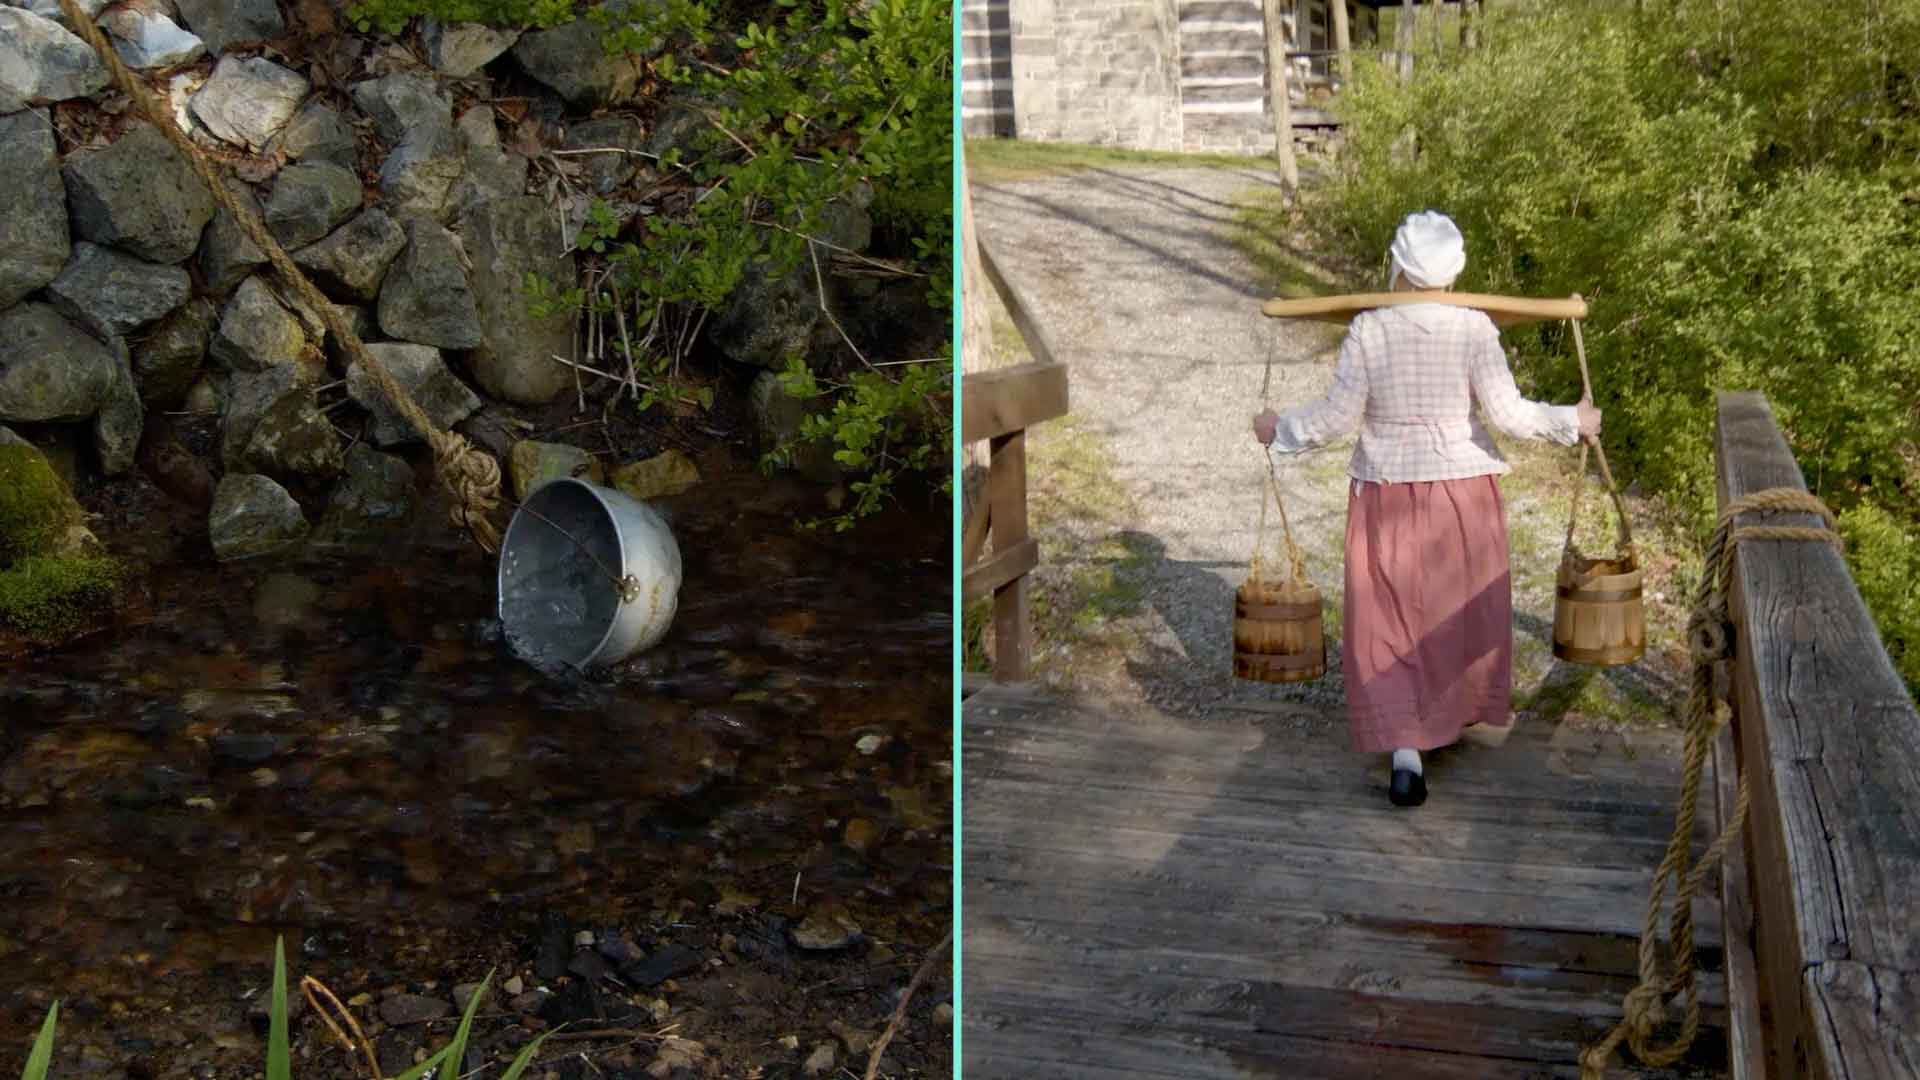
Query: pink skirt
x=1428 y=640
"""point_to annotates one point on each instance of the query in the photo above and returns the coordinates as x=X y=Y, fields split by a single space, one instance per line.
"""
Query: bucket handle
x=1586 y=397
x=628 y=587
x=1297 y=567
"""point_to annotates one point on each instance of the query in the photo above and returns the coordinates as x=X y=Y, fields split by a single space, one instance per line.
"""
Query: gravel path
x=1133 y=276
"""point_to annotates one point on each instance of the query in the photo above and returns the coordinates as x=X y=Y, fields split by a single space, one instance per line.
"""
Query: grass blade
x=42 y=1055
x=279 y=1061
x=457 y=1049
x=426 y=1066
x=524 y=1059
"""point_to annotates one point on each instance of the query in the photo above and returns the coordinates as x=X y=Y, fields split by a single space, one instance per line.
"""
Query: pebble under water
x=749 y=826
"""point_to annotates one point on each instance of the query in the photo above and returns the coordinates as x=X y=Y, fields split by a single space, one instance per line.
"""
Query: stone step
x=1230 y=65
x=1250 y=41
x=998 y=98
x=997 y=68
x=1216 y=95
x=1226 y=10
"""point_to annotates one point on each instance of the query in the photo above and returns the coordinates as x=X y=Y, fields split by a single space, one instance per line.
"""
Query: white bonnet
x=1428 y=250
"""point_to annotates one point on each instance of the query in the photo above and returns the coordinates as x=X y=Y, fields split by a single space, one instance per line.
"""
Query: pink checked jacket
x=1408 y=379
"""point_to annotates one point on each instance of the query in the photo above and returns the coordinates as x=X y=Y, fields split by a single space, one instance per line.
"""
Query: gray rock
x=846 y=223
x=476 y=129
x=462 y=49
x=822 y=1061
x=352 y=261
x=138 y=195
x=247 y=100
x=777 y=417
x=491 y=173
x=402 y=104
x=221 y=23
x=51 y=369
x=424 y=376
x=227 y=255
x=250 y=396
x=766 y=319
x=825 y=930
x=374 y=496
x=506 y=239
x=531 y=464
x=293 y=438
x=568 y=59
x=403 y=1009
x=114 y=294
x=419 y=174
x=166 y=364
x=253 y=517
x=256 y=332
x=309 y=199
x=50 y=9
x=678 y=125
x=425 y=298
x=605 y=172
x=117 y=426
x=41 y=61
x=147 y=40
x=8 y=438
x=207 y=396
x=34 y=242
x=318 y=133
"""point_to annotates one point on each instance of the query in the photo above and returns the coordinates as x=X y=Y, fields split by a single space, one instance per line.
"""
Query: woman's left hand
x=1264 y=425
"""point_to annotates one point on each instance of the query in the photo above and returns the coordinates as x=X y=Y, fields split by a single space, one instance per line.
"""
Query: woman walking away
x=1428 y=647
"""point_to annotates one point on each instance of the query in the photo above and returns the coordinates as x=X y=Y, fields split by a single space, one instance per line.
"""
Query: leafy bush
x=392 y=16
x=1733 y=193
x=279 y=1057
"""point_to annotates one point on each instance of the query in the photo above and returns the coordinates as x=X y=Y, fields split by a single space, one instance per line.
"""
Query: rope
x=1297 y=566
x=470 y=475
x=1570 y=552
x=1709 y=639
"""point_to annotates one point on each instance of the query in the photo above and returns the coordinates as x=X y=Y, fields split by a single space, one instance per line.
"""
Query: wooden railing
x=1822 y=906
x=998 y=407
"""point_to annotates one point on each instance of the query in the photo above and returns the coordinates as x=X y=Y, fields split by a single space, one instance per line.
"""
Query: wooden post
x=1341 y=44
x=1277 y=95
x=1403 y=39
x=1829 y=741
x=976 y=337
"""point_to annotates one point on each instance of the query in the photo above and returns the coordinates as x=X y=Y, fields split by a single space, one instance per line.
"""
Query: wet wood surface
x=1152 y=896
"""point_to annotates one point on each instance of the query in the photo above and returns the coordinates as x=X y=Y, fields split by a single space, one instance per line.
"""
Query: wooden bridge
x=1156 y=897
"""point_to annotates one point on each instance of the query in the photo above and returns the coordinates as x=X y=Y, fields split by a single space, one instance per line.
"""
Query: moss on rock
x=54 y=581
x=53 y=597
x=36 y=511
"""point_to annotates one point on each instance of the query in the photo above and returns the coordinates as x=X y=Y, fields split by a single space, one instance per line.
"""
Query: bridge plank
x=1833 y=742
x=1006 y=400
x=1150 y=896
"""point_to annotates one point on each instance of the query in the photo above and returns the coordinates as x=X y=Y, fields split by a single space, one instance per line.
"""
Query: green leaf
x=424 y=1067
x=279 y=1061
x=525 y=1057
x=42 y=1054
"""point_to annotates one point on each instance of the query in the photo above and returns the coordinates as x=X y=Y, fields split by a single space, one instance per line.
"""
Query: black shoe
x=1408 y=788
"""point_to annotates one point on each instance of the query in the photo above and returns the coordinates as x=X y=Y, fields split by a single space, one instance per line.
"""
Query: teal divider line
x=958 y=527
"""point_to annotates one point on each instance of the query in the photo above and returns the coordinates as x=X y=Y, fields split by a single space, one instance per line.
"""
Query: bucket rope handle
x=471 y=475
x=1297 y=566
x=1586 y=396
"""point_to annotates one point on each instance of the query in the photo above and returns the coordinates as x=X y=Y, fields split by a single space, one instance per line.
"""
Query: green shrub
x=392 y=16
x=1728 y=190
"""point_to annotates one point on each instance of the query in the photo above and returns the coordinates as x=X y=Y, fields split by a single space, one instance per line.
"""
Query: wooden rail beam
x=1830 y=740
x=1006 y=400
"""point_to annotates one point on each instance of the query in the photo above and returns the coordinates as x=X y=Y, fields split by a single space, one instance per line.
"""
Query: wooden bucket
x=1597 y=613
x=1277 y=635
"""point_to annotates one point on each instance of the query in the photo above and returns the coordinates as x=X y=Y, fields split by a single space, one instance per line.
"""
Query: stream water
x=346 y=754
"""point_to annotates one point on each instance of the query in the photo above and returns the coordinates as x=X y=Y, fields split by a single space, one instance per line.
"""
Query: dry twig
x=900 y=1012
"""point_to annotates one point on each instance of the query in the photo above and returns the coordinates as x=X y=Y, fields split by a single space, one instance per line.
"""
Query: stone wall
x=1097 y=71
x=1183 y=75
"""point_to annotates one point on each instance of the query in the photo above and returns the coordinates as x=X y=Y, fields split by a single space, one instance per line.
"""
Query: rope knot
x=1709 y=636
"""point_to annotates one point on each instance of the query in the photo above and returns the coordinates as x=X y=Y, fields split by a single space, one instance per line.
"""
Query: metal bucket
x=588 y=576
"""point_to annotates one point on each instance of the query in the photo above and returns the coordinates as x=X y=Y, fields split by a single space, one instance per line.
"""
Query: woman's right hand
x=1589 y=420
x=1264 y=425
